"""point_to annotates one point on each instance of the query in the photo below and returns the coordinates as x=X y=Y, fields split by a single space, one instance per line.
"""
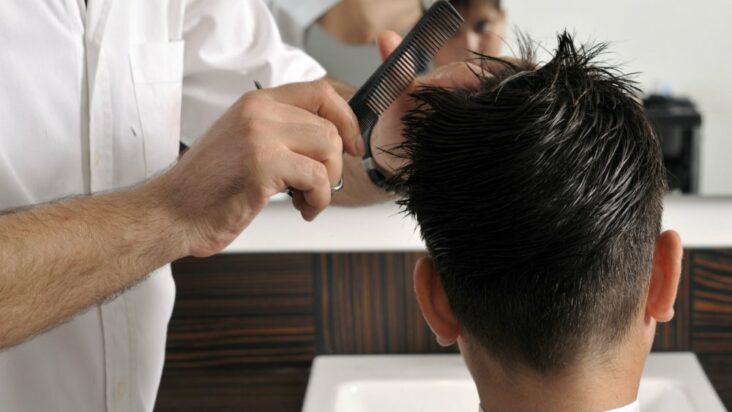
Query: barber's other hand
x=387 y=133
x=269 y=140
x=360 y=21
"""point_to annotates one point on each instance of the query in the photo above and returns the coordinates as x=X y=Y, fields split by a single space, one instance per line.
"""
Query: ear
x=665 y=275
x=433 y=302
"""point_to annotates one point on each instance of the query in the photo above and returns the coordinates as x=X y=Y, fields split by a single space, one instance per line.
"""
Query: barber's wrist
x=165 y=216
x=374 y=160
x=380 y=161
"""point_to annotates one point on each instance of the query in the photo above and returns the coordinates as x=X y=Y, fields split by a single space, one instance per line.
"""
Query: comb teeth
x=437 y=26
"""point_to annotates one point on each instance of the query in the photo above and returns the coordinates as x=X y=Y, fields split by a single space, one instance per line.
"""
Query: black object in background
x=677 y=123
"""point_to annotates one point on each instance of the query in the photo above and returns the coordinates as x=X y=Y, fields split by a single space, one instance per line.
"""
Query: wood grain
x=246 y=327
x=719 y=370
x=242 y=334
x=366 y=305
x=711 y=317
x=247 y=388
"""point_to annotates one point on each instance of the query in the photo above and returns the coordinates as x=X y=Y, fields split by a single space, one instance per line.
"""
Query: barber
x=94 y=102
x=358 y=22
x=349 y=21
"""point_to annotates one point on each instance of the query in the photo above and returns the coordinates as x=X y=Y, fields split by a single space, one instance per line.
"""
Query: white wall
x=683 y=43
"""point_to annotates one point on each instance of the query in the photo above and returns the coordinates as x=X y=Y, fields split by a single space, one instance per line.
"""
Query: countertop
x=703 y=222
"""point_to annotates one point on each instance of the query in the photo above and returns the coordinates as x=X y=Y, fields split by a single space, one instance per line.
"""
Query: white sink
x=437 y=383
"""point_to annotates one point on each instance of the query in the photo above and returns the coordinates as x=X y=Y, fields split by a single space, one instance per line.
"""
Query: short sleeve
x=228 y=45
x=294 y=17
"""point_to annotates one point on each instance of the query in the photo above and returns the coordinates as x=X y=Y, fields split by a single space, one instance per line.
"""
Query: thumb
x=387 y=41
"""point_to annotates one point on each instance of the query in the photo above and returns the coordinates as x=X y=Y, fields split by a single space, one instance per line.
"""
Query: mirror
x=682 y=51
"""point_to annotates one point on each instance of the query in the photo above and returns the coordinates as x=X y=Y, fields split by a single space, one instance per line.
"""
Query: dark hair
x=539 y=197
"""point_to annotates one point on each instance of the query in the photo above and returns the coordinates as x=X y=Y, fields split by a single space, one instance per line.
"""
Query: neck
x=594 y=386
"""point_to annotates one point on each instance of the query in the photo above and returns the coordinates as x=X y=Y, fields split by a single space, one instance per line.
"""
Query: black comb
x=440 y=23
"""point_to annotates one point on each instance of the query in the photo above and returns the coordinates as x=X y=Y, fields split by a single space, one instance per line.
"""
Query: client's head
x=539 y=197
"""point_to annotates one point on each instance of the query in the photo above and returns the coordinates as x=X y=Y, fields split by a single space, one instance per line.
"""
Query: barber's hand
x=360 y=21
x=269 y=140
x=387 y=133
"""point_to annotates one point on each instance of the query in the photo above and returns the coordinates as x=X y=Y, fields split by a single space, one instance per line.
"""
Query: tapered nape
x=539 y=196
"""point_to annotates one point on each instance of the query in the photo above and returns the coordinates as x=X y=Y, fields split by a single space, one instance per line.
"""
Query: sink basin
x=436 y=383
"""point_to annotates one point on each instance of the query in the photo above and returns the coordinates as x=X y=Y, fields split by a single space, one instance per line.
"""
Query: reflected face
x=482 y=32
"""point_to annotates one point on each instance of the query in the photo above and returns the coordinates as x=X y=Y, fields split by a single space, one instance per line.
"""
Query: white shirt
x=91 y=101
x=631 y=407
x=294 y=17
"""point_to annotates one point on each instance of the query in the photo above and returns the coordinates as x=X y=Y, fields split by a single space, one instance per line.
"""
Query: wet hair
x=539 y=197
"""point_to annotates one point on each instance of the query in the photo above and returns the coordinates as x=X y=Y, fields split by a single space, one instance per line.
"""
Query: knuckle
x=259 y=156
x=332 y=129
x=247 y=107
x=254 y=128
x=319 y=172
x=322 y=87
x=260 y=152
x=334 y=138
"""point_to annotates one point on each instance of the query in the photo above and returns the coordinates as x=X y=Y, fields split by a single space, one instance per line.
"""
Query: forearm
x=56 y=260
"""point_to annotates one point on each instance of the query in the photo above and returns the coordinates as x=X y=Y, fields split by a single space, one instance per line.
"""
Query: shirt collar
x=631 y=407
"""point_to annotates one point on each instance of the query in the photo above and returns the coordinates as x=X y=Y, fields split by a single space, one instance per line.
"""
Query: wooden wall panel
x=711 y=317
x=254 y=388
x=719 y=370
x=246 y=327
x=242 y=335
x=712 y=296
x=366 y=304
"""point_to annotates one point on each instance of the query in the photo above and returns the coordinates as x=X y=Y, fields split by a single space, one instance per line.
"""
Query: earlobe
x=665 y=276
x=433 y=302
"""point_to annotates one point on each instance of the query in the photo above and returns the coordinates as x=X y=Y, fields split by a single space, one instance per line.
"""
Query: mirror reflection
x=685 y=78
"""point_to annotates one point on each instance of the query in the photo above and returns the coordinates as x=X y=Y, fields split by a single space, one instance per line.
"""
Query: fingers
x=387 y=42
x=310 y=179
x=321 y=99
x=305 y=149
x=318 y=143
x=306 y=134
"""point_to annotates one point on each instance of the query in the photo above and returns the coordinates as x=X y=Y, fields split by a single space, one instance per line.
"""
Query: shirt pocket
x=157 y=75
